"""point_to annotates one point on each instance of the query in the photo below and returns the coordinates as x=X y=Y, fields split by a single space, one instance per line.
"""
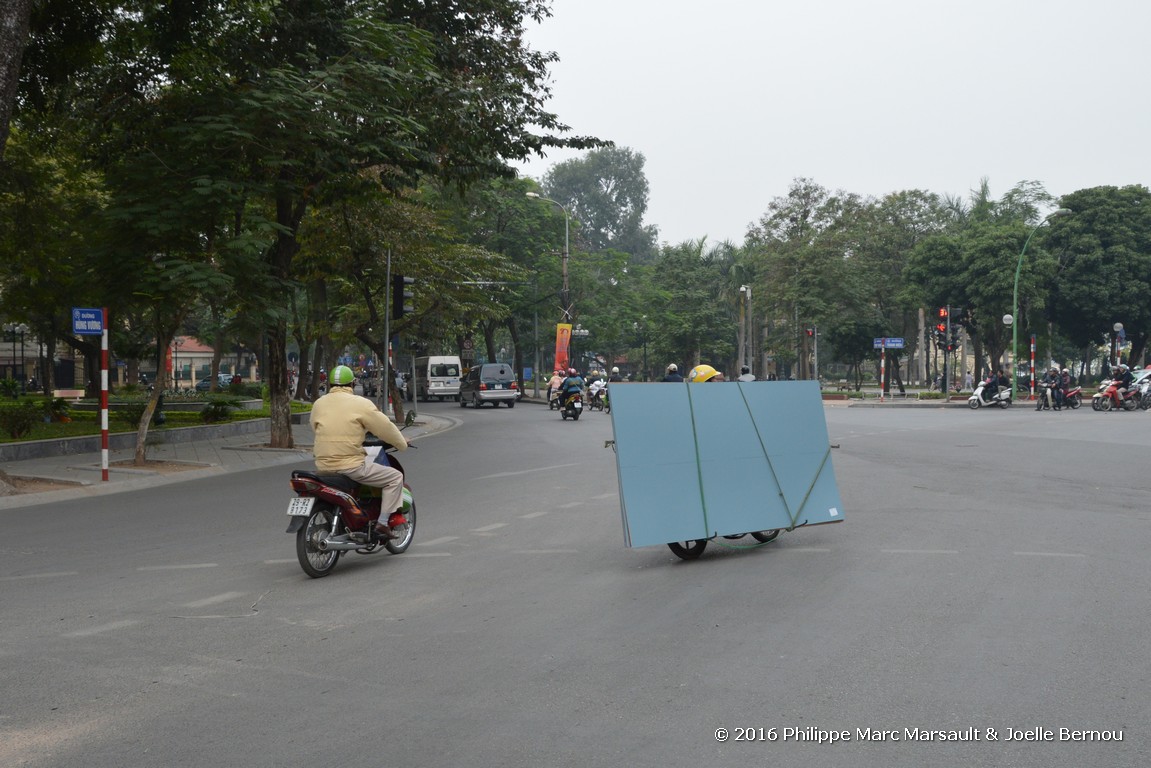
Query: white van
x=438 y=376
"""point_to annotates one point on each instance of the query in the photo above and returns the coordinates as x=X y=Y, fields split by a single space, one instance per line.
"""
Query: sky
x=729 y=101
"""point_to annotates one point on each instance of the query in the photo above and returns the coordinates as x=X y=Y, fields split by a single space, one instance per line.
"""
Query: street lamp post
x=18 y=329
x=565 y=296
x=1015 y=293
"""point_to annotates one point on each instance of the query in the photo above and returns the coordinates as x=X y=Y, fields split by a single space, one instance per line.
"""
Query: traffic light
x=401 y=296
x=942 y=328
x=810 y=331
x=943 y=313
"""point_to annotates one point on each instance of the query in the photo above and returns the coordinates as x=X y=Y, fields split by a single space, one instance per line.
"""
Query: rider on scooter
x=572 y=385
x=1124 y=380
x=340 y=420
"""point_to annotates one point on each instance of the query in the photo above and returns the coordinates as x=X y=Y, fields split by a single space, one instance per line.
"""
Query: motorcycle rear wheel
x=404 y=533
x=688 y=550
x=316 y=562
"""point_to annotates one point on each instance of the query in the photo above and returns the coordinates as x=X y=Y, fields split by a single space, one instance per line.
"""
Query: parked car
x=222 y=382
x=493 y=383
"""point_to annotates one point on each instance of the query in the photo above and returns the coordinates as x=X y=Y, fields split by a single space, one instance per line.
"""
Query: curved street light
x=565 y=297
x=1015 y=294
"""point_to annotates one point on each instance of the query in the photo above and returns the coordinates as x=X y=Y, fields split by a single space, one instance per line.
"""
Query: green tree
x=607 y=191
x=1103 y=274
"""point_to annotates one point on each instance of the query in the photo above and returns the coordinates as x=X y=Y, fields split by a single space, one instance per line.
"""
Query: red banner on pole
x=563 y=346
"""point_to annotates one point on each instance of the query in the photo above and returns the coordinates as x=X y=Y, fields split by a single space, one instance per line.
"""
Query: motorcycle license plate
x=301 y=506
x=577 y=405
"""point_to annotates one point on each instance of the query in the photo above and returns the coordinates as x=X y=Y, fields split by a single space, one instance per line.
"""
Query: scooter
x=597 y=395
x=1002 y=397
x=333 y=514
x=1048 y=399
x=1108 y=398
x=573 y=408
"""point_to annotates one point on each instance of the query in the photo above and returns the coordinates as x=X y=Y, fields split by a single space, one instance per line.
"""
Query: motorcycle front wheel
x=316 y=562
x=404 y=533
x=973 y=403
x=1074 y=401
x=1105 y=404
x=688 y=550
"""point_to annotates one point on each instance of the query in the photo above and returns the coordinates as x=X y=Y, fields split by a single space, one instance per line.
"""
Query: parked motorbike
x=332 y=515
x=690 y=550
x=978 y=398
x=573 y=408
x=1108 y=398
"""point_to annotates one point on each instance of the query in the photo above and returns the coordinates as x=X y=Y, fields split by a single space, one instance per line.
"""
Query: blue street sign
x=87 y=322
x=888 y=342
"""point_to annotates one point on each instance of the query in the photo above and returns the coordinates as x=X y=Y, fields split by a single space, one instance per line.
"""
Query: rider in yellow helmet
x=704 y=373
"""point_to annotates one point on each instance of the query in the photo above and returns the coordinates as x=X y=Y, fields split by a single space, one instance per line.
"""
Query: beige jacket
x=340 y=419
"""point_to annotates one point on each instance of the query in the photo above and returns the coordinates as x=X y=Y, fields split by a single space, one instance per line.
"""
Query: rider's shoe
x=381 y=532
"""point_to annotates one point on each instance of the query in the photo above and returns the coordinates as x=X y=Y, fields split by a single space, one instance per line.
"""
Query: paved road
x=990 y=574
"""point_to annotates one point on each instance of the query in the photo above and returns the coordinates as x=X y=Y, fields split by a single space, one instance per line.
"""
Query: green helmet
x=342 y=376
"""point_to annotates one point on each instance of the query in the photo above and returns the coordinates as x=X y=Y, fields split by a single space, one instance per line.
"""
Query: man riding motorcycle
x=340 y=420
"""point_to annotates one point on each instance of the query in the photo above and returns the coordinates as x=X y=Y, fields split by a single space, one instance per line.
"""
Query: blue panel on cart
x=656 y=460
x=698 y=460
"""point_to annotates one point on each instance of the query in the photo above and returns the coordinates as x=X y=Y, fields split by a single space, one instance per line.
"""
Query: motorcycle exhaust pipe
x=340 y=544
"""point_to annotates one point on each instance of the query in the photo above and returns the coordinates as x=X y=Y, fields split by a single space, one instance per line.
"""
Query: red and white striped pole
x=882 y=368
x=104 y=397
x=1031 y=384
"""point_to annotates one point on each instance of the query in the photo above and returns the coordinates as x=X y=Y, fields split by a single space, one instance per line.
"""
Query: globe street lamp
x=565 y=296
x=1015 y=293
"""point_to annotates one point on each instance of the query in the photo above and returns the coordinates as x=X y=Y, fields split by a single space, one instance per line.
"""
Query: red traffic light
x=943 y=311
x=810 y=331
x=942 y=328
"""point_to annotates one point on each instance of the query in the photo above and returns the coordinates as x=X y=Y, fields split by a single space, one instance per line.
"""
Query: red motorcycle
x=332 y=515
x=1109 y=399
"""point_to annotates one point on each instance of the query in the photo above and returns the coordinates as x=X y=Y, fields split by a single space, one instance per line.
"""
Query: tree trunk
x=14 y=16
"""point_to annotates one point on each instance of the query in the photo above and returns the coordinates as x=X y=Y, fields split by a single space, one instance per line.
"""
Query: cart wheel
x=765 y=536
x=688 y=550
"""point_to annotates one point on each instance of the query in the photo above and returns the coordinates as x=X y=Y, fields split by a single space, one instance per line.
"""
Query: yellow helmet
x=703 y=373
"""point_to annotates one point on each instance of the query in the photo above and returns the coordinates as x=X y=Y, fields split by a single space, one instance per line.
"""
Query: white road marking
x=802 y=549
x=571 y=504
x=187 y=567
x=921 y=551
x=426 y=554
x=530 y=515
x=214 y=600
x=606 y=496
x=1049 y=554
x=526 y=471
x=546 y=551
x=102 y=628
x=434 y=542
x=492 y=527
x=281 y=562
x=50 y=575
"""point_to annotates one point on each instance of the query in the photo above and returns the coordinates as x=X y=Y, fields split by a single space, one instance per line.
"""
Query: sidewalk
x=80 y=472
